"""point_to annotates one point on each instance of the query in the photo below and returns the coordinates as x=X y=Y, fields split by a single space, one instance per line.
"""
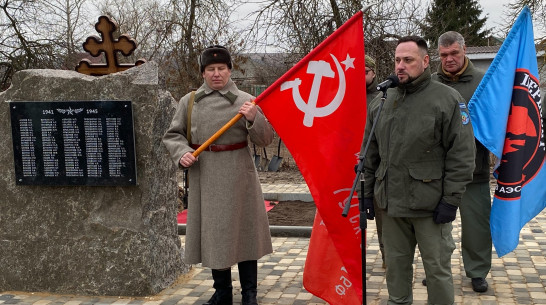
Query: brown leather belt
x=222 y=147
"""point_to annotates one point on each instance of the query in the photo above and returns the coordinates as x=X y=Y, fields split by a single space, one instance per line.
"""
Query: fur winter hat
x=214 y=55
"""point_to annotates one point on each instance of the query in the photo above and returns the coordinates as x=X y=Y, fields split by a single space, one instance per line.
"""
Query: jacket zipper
x=395 y=105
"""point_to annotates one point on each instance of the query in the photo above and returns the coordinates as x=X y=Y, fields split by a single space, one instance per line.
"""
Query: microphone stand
x=362 y=210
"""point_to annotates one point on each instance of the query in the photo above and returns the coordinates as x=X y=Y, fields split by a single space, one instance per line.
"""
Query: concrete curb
x=277 y=231
x=290 y=231
x=288 y=197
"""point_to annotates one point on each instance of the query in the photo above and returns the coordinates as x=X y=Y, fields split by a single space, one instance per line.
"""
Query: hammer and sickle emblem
x=320 y=69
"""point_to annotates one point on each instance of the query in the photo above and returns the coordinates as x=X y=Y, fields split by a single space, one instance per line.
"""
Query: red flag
x=325 y=276
x=318 y=108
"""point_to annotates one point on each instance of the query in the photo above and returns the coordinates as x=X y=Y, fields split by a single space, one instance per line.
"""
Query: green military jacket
x=421 y=151
x=466 y=84
x=371 y=91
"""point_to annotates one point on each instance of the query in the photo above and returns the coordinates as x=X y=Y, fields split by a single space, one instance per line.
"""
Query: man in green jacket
x=458 y=72
x=420 y=159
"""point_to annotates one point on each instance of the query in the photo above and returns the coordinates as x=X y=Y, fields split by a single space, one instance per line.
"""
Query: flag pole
x=217 y=134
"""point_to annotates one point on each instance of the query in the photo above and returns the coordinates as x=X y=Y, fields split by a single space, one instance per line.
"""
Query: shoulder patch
x=466 y=117
x=464 y=113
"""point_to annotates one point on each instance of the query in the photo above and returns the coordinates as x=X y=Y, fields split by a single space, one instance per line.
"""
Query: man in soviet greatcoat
x=227 y=222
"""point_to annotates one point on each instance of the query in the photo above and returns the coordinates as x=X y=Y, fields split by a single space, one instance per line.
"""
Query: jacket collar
x=422 y=81
x=229 y=91
x=464 y=75
x=371 y=88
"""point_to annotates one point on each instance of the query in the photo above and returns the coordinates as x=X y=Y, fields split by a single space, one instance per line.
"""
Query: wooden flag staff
x=217 y=134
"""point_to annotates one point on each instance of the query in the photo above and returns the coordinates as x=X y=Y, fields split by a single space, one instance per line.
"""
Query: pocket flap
x=426 y=174
x=380 y=172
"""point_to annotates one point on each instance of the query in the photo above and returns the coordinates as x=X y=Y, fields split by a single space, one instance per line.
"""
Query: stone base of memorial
x=91 y=239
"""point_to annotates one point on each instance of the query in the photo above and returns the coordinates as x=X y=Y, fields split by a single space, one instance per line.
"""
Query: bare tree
x=174 y=32
x=21 y=46
x=294 y=26
x=384 y=23
x=538 y=10
x=142 y=20
x=64 y=24
x=297 y=26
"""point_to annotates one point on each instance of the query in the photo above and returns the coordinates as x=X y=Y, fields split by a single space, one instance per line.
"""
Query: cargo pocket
x=425 y=187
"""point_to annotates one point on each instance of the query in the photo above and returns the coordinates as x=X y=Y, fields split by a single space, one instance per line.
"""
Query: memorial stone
x=80 y=239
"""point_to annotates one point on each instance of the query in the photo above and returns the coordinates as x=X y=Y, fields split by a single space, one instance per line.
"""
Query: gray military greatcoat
x=227 y=222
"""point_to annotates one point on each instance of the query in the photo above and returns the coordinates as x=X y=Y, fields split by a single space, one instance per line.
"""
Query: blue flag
x=506 y=114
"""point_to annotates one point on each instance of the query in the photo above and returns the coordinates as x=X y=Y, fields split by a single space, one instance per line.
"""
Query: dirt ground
x=292 y=213
x=288 y=213
x=285 y=174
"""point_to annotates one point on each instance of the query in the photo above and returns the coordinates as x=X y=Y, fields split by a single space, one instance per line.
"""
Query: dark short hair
x=421 y=43
x=214 y=55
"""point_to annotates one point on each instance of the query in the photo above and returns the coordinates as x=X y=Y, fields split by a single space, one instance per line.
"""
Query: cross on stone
x=94 y=45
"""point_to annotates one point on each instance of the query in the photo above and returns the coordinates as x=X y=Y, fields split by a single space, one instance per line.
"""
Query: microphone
x=391 y=82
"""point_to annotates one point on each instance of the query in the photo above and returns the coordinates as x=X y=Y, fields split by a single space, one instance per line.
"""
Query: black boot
x=222 y=283
x=248 y=275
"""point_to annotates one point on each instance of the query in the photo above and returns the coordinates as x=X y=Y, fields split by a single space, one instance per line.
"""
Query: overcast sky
x=495 y=9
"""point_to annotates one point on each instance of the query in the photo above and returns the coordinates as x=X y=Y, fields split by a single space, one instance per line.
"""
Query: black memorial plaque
x=73 y=143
